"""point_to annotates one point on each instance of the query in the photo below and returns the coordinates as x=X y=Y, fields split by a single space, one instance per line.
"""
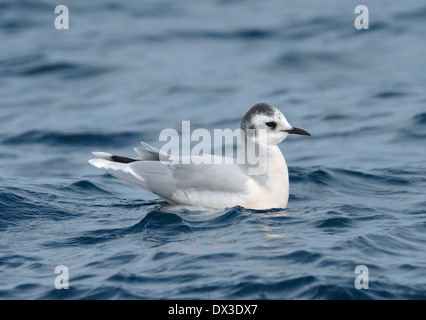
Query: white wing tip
x=103 y=155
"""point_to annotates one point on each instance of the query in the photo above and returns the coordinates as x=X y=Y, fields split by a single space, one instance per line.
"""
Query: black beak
x=298 y=131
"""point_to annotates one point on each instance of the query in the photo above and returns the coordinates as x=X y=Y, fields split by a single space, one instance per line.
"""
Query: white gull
x=203 y=184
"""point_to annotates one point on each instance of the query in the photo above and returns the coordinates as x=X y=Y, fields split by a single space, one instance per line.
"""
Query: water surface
x=124 y=71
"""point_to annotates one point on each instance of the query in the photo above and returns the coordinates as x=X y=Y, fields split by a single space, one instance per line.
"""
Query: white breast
x=271 y=190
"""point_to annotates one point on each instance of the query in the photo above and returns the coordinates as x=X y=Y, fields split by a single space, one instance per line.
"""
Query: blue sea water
x=125 y=70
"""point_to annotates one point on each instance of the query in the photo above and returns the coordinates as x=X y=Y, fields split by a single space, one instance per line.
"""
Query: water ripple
x=52 y=138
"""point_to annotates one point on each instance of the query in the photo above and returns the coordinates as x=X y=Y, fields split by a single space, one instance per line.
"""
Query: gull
x=212 y=185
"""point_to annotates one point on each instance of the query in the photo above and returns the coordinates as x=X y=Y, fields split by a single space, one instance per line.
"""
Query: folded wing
x=198 y=182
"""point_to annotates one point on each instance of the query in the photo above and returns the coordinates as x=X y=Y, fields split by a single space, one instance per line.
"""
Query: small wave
x=389 y=94
x=179 y=89
x=335 y=292
x=409 y=134
x=414 y=131
x=419 y=14
x=36 y=65
x=16 y=25
x=242 y=34
x=15 y=260
x=227 y=217
x=273 y=289
x=419 y=119
x=26 y=5
x=307 y=60
x=298 y=256
x=157 y=220
x=318 y=176
x=157 y=228
x=121 y=258
x=84 y=186
x=17 y=64
x=349 y=185
x=86 y=139
x=135 y=278
x=158 y=10
x=334 y=224
x=66 y=70
x=385 y=244
x=347 y=177
x=385 y=179
x=336 y=117
x=89 y=293
x=319 y=25
x=5 y=6
x=137 y=204
x=49 y=68
x=19 y=205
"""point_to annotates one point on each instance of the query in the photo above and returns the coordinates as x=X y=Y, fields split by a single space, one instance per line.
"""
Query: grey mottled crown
x=258 y=108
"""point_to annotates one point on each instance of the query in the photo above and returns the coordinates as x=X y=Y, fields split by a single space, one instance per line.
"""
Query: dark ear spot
x=271 y=124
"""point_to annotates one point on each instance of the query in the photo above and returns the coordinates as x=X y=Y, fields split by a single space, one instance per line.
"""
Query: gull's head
x=263 y=117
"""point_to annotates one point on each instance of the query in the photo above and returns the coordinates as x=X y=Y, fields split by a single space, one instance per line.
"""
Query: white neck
x=277 y=168
x=273 y=183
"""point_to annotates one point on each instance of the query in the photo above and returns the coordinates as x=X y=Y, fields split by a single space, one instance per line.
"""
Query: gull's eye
x=271 y=124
